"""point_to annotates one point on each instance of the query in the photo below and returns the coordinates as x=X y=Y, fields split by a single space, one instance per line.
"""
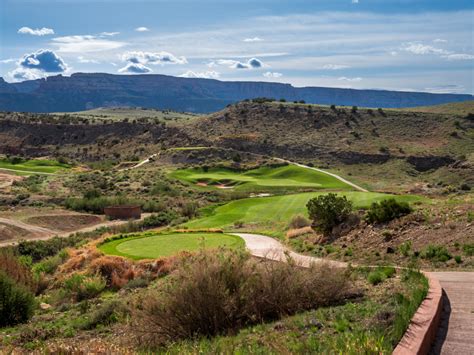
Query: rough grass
x=264 y=178
x=275 y=212
x=151 y=246
x=35 y=166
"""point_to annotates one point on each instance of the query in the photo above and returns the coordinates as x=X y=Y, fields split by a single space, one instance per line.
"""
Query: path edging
x=421 y=332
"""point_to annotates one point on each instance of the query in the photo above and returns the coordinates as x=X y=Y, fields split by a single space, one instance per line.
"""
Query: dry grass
x=293 y=233
x=17 y=271
x=217 y=293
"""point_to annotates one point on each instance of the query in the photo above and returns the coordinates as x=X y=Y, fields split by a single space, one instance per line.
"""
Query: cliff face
x=86 y=91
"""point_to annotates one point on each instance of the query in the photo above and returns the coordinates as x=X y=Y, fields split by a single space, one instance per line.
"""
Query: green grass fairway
x=262 y=179
x=160 y=245
x=34 y=166
x=275 y=212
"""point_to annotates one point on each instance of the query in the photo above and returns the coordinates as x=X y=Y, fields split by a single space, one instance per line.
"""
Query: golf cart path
x=456 y=331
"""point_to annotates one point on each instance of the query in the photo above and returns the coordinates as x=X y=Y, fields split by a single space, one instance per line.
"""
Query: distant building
x=123 y=212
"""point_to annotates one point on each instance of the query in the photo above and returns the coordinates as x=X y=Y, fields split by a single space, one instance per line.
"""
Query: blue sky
x=424 y=45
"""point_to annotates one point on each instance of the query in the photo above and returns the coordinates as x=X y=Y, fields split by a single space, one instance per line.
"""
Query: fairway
x=34 y=166
x=264 y=178
x=274 y=213
x=162 y=245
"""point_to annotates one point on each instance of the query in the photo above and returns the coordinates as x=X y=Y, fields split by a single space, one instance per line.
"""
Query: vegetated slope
x=82 y=91
x=338 y=134
x=458 y=108
x=264 y=178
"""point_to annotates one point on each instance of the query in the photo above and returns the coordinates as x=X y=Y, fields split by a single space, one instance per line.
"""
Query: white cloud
x=38 y=65
x=334 y=66
x=252 y=63
x=355 y=1
x=134 y=68
x=439 y=40
x=270 y=74
x=142 y=29
x=205 y=75
x=22 y=74
x=36 y=32
x=459 y=56
x=85 y=43
x=109 y=34
x=253 y=39
x=6 y=61
x=81 y=59
x=152 y=58
x=446 y=89
x=419 y=48
x=345 y=78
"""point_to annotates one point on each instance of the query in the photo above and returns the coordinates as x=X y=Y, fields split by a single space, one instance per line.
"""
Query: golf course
x=274 y=213
x=34 y=166
x=266 y=178
x=154 y=245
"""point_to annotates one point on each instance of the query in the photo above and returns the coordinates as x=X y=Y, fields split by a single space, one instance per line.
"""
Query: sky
x=408 y=45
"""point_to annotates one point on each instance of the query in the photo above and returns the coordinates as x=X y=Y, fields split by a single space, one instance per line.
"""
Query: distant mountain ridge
x=82 y=91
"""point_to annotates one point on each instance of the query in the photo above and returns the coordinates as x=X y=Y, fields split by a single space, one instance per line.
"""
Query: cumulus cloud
x=253 y=39
x=85 y=43
x=345 y=78
x=459 y=56
x=204 y=75
x=252 y=63
x=270 y=74
x=43 y=60
x=6 y=61
x=142 y=29
x=36 y=32
x=334 y=66
x=38 y=65
x=134 y=68
x=139 y=57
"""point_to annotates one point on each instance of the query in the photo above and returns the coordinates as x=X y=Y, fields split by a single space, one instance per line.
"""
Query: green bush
x=458 y=259
x=328 y=211
x=83 y=288
x=436 y=253
x=158 y=220
x=387 y=210
x=106 y=314
x=375 y=277
x=16 y=302
x=405 y=248
x=468 y=249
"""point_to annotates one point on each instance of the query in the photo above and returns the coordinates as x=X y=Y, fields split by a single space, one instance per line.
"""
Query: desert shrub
x=116 y=271
x=436 y=253
x=217 y=293
x=189 y=209
x=40 y=249
x=17 y=303
x=458 y=259
x=405 y=248
x=16 y=270
x=139 y=282
x=299 y=221
x=387 y=210
x=50 y=264
x=80 y=287
x=468 y=249
x=97 y=204
x=158 y=220
x=108 y=313
x=154 y=206
x=380 y=274
x=328 y=211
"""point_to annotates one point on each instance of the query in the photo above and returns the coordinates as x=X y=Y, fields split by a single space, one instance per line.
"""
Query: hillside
x=458 y=108
x=83 y=91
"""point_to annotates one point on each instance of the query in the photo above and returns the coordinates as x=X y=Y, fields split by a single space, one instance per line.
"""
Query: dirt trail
x=147 y=160
x=41 y=233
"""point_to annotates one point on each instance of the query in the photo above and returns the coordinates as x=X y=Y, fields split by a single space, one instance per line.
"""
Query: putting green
x=264 y=178
x=275 y=212
x=152 y=246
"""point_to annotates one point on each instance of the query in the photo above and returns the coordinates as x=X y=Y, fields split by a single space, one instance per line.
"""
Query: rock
x=45 y=306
